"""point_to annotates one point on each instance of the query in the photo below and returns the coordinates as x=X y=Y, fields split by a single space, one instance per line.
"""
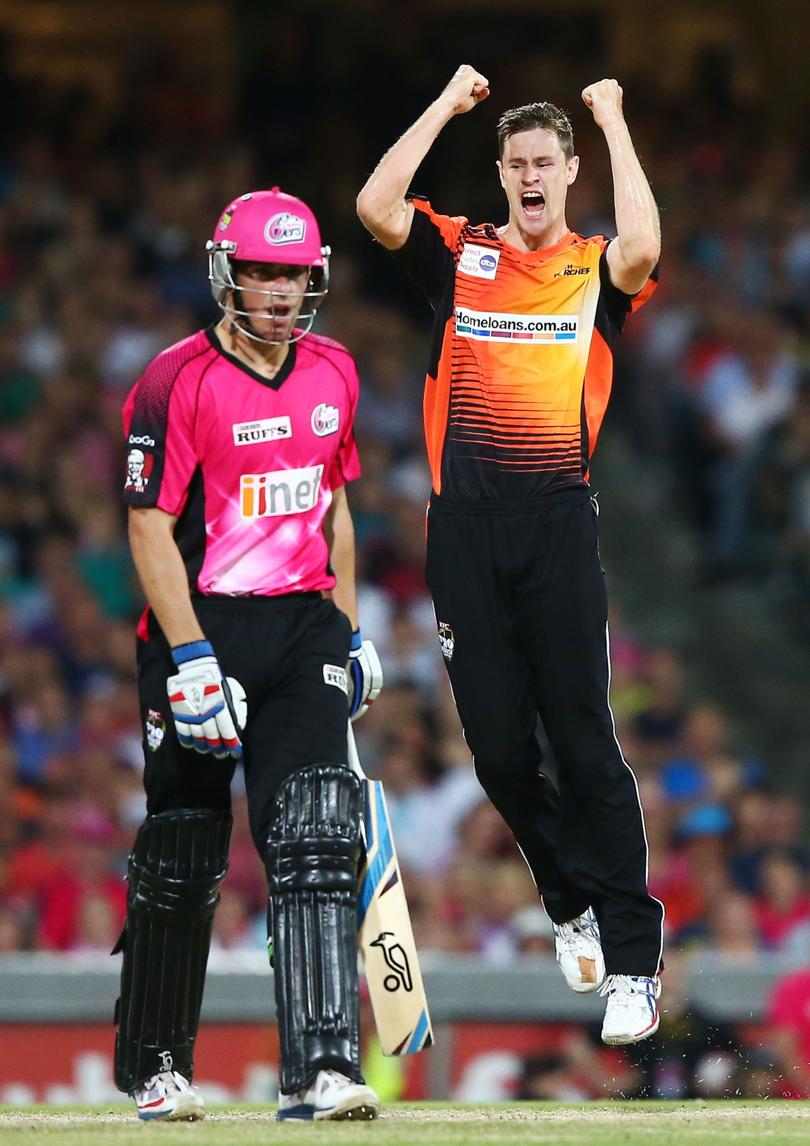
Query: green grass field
x=439 y=1124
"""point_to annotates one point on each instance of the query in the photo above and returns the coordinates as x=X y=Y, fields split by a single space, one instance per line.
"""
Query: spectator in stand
x=783 y=903
x=660 y=723
x=38 y=864
x=782 y=506
x=43 y=727
x=509 y=890
x=705 y=769
x=731 y=929
x=85 y=906
x=697 y=871
x=750 y=839
x=745 y=395
x=533 y=931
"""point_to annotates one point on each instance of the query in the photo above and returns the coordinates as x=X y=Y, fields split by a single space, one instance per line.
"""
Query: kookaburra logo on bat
x=397 y=960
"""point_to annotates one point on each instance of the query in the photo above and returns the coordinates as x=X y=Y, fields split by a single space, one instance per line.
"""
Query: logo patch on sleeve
x=335 y=675
x=140 y=464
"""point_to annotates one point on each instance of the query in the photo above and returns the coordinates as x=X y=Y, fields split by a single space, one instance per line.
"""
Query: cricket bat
x=384 y=932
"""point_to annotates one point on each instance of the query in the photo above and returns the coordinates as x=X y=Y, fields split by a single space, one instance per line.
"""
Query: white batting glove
x=204 y=709
x=365 y=676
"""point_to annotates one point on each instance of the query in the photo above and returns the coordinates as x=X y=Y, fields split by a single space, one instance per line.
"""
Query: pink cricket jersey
x=247 y=465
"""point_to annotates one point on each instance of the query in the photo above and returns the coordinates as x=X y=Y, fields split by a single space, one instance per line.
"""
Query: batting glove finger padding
x=365 y=674
x=201 y=702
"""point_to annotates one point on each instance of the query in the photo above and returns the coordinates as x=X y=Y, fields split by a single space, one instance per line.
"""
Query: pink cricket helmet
x=267 y=227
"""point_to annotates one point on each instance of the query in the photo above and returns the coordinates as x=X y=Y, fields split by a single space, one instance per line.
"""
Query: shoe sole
x=364 y=1112
x=192 y=1111
x=355 y=1109
x=626 y=1040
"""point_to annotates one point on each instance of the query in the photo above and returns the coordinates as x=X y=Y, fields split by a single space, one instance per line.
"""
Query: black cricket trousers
x=288 y=653
x=521 y=606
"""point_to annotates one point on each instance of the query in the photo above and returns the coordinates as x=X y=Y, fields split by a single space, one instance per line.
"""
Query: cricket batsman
x=241 y=442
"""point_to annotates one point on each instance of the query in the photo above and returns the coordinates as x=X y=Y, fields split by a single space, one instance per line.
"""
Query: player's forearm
x=638 y=225
x=339 y=532
x=163 y=575
x=381 y=203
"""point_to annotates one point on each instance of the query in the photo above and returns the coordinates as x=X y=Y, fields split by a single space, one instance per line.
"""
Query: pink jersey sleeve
x=159 y=425
x=346 y=466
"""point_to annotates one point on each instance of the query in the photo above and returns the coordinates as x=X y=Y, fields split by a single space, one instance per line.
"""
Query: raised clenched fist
x=605 y=101
x=467 y=88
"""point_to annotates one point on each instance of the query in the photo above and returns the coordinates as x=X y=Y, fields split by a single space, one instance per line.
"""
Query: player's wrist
x=192 y=651
x=444 y=109
x=613 y=123
x=357 y=641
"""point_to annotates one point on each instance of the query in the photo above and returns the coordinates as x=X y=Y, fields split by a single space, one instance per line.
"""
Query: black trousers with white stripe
x=521 y=606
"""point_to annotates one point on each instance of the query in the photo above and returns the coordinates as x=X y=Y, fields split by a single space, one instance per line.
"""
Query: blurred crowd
x=104 y=212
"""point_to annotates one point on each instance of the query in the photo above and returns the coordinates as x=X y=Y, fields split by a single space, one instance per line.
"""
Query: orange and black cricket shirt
x=521 y=363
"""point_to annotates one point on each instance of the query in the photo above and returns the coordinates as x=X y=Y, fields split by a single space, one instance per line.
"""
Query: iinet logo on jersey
x=281 y=493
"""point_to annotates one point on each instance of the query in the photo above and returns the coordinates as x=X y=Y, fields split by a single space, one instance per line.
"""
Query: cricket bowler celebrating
x=526 y=316
x=241 y=440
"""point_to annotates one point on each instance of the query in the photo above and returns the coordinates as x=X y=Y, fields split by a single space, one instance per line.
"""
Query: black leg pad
x=312 y=861
x=175 y=870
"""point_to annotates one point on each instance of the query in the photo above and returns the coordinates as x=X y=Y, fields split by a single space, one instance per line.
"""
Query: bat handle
x=354 y=759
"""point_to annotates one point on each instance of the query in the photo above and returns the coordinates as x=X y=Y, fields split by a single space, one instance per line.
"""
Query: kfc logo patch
x=325 y=420
x=447 y=640
x=155 y=728
x=139 y=469
x=285 y=228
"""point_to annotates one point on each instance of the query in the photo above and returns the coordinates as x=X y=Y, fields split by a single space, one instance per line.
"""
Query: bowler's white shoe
x=632 y=1008
x=331 y=1095
x=170 y=1096
x=579 y=952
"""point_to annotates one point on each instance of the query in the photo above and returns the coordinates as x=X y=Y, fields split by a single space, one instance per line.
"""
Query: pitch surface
x=440 y=1124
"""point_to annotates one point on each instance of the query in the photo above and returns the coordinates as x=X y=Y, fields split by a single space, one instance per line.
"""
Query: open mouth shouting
x=533 y=203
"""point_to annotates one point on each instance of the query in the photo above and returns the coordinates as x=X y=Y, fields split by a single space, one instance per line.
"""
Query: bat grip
x=354 y=759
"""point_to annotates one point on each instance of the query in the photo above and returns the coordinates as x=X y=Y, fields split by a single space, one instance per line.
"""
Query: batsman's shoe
x=331 y=1095
x=169 y=1096
x=579 y=952
x=632 y=1008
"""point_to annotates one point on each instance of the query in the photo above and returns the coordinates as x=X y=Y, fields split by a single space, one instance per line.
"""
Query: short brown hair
x=532 y=115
